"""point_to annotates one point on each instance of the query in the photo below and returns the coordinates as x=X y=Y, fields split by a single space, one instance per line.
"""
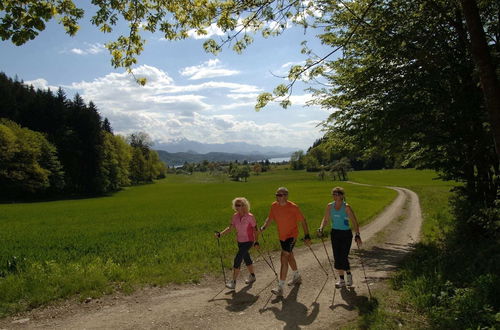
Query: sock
x=252 y=274
x=295 y=273
x=348 y=272
x=282 y=283
x=342 y=277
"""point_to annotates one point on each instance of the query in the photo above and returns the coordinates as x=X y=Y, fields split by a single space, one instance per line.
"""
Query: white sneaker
x=348 y=280
x=231 y=285
x=278 y=291
x=340 y=284
x=250 y=279
x=296 y=279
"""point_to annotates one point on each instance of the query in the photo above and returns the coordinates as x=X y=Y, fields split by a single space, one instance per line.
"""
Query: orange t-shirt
x=286 y=217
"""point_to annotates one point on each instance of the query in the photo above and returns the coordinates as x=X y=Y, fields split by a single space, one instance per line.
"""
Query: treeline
x=235 y=170
x=50 y=145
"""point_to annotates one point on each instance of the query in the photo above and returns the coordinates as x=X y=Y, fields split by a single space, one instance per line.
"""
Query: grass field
x=151 y=234
x=432 y=192
x=396 y=309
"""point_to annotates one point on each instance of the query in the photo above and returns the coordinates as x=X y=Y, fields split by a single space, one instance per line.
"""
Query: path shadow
x=353 y=301
x=382 y=259
x=293 y=313
x=241 y=300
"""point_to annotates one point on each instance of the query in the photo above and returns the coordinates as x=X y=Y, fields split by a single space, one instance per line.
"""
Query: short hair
x=282 y=189
x=242 y=200
x=338 y=190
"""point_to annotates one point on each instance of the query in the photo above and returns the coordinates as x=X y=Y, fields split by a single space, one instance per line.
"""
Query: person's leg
x=285 y=257
x=236 y=272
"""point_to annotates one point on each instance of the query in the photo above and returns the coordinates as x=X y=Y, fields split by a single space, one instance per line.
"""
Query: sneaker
x=231 y=285
x=278 y=291
x=348 y=280
x=296 y=279
x=340 y=284
x=251 y=278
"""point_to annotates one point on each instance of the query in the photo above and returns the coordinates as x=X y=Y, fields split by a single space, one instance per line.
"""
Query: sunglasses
x=337 y=194
x=281 y=195
x=238 y=205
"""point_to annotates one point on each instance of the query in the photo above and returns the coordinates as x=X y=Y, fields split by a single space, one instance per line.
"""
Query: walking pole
x=314 y=254
x=364 y=272
x=326 y=251
x=220 y=255
x=267 y=262
x=268 y=253
x=320 y=234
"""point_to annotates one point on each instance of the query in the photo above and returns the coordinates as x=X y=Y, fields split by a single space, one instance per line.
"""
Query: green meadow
x=145 y=235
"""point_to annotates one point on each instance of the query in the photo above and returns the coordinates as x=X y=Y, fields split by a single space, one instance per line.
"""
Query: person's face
x=337 y=196
x=281 y=196
x=239 y=206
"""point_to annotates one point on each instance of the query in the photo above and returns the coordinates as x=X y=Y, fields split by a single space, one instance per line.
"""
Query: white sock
x=295 y=273
x=282 y=283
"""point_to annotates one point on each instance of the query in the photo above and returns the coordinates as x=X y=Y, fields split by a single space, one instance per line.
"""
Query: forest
x=53 y=146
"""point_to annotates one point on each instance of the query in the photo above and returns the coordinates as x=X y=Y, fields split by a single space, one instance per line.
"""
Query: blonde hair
x=243 y=201
x=339 y=190
x=282 y=189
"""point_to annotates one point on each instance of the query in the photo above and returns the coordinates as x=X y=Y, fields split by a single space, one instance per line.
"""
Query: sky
x=190 y=94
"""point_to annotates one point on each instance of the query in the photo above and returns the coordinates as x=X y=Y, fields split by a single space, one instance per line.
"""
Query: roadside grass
x=145 y=235
x=452 y=282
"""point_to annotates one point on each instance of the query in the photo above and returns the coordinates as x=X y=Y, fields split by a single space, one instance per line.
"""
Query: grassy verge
x=145 y=235
x=452 y=279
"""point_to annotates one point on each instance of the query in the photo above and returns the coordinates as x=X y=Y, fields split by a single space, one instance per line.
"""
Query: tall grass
x=151 y=234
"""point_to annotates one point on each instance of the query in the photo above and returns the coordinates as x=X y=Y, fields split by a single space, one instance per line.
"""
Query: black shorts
x=288 y=244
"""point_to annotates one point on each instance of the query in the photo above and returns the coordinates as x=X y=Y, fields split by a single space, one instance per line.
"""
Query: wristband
x=218 y=234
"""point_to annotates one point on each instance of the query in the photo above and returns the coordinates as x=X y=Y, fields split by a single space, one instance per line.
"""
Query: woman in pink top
x=246 y=235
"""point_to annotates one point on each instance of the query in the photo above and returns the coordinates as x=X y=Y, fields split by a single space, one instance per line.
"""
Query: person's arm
x=307 y=237
x=326 y=219
x=266 y=223
x=256 y=237
x=352 y=217
x=226 y=230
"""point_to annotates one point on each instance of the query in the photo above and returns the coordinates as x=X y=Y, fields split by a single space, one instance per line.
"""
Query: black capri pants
x=243 y=254
x=341 y=245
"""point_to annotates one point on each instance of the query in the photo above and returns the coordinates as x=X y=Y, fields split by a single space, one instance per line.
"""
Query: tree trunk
x=482 y=57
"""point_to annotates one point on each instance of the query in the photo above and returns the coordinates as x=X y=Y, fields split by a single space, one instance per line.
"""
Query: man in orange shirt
x=286 y=214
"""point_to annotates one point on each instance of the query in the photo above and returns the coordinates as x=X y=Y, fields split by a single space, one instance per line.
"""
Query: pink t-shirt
x=244 y=225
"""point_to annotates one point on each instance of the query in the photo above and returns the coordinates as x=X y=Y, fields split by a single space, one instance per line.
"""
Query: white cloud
x=212 y=30
x=40 y=83
x=89 y=49
x=168 y=111
x=208 y=69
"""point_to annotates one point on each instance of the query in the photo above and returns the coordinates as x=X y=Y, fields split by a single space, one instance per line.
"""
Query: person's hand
x=320 y=232
x=357 y=239
x=262 y=228
x=307 y=239
x=256 y=245
x=217 y=234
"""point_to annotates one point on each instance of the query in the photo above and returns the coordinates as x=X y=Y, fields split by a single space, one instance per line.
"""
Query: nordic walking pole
x=267 y=262
x=320 y=234
x=364 y=272
x=268 y=253
x=314 y=254
x=220 y=255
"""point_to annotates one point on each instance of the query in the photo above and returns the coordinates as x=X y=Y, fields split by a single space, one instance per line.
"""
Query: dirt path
x=309 y=305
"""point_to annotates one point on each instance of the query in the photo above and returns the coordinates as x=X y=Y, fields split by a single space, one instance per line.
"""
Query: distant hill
x=241 y=148
x=179 y=158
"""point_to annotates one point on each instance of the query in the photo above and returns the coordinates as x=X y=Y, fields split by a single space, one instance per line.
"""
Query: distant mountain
x=179 y=158
x=242 y=148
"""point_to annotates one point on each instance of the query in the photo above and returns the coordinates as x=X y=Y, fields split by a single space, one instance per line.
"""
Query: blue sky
x=190 y=94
